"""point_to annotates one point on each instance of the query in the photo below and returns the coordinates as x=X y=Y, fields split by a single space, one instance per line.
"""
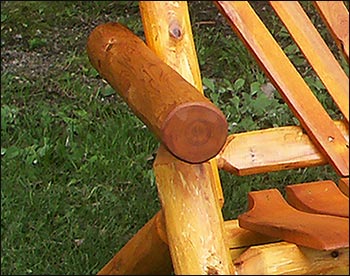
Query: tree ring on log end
x=195 y=131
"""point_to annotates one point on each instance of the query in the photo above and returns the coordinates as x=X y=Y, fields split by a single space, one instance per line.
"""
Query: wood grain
x=316 y=52
x=269 y=214
x=188 y=124
x=273 y=149
x=285 y=258
x=305 y=106
x=336 y=17
x=320 y=197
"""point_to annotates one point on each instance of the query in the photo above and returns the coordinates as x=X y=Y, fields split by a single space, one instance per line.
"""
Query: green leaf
x=12 y=152
x=254 y=87
x=238 y=84
x=209 y=84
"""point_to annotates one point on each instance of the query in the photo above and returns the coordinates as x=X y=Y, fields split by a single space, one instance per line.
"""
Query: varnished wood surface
x=188 y=124
x=316 y=52
x=285 y=258
x=272 y=149
x=336 y=17
x=190 y=194
x=269 y=214
x=321 y=197
x=305 y=106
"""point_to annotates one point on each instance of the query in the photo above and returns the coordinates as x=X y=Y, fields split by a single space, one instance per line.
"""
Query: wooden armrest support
x=271 y=149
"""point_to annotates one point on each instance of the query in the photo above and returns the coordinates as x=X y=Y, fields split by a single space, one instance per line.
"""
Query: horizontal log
x=188 y=124
x=272 y=149
x=285 y=258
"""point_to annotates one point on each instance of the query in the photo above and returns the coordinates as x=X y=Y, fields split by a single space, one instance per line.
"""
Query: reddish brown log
x=188 y=124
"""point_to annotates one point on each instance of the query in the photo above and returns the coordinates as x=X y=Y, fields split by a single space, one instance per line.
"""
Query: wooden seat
x=161 y=83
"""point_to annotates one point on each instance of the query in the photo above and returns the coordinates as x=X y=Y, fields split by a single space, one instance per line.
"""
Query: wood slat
x=266 y=150
x=344 y=186
x=285 y=258
x=336 y=17
x=269 y=214
x=316 y=52
x=288 y=81
x=321 y=197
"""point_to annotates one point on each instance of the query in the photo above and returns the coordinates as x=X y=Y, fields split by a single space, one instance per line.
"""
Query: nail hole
x=330 y=139
x=335 y=254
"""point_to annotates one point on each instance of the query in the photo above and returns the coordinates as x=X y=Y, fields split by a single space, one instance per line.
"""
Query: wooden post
x=190 y=194
x=193 y=218
x=188 y=124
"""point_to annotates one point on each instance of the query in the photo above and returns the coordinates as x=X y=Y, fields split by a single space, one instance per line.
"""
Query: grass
x=76 y=164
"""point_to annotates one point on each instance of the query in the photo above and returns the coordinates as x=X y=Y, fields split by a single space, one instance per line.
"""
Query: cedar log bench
x=304 y=232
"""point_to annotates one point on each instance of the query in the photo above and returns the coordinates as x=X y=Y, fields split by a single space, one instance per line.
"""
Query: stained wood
x=147 y=253
x=193 y=218
x=344 y=186
x=264 y=150
x=190 y=126
x=316 y=52
x=285 y=258
x=190 y=194
x=336 y=17
x=269 y=214
x=305 y=106
x=321 y=197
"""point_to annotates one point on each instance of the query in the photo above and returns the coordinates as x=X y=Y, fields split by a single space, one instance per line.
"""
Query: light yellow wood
x=237 y=237
x=316 y=52
x=289 y=259
x=271 y=149
x=188 y=193
x=304 y=104
x=144 y=254
x=168 y=33
x=193 y=218
x=336 y=17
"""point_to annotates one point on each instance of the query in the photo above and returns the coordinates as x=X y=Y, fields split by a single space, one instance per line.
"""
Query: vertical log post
x=190 y=194
x=189 y=125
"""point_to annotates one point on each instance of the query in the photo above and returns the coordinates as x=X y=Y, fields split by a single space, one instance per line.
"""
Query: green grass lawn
x=76 y=164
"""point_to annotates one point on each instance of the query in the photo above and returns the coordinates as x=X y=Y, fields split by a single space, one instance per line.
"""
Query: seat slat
x=270 y=214
x=336 y=17
x=305 y=106
x=271 y=149
x=322 y=197
x=316 y=52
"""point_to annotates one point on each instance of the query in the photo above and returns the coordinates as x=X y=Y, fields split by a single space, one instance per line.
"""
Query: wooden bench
x=305 y=233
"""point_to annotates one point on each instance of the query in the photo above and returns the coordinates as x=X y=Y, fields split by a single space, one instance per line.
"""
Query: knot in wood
x=175 y=30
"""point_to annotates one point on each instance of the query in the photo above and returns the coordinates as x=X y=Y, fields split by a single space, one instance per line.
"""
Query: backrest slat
x=336 y=17
x=305 y=106
x=316 y=52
